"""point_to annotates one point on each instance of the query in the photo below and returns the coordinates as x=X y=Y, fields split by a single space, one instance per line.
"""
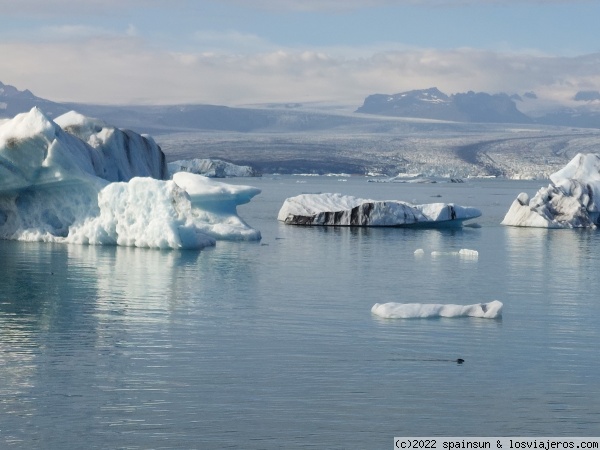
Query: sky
x=242 y=52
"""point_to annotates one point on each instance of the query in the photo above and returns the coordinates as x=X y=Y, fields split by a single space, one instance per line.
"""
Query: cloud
x=119 y=69
x=231 y=41
x=341 y=6
x=66 y=8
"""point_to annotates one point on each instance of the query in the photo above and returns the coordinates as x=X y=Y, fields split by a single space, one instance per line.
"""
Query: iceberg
x=90 y=183
x=345 y=210
x=212 y=168
x=491 y=310
x=568 y=202
x=125 y=154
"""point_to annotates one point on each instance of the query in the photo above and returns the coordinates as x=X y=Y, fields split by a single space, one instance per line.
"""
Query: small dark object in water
x=460 y=361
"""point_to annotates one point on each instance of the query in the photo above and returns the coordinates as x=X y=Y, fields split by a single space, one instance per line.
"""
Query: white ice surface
x=52 y=189
x=491 y=310
x=124 y=154
x=463 y=253
x=213 y=168
x=569 y=202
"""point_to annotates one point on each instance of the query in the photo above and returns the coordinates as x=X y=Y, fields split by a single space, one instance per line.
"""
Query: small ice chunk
x=491 y=310
x=463 y=253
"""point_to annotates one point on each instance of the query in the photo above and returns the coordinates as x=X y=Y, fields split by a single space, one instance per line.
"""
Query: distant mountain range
x=13 y=102
x=430 y=103
x=434 y=104
x=163 y=119
x=481 y=107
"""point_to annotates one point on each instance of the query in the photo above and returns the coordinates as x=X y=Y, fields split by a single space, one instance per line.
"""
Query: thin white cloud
x=230 y=41
x=72 y=31
x=69 y=8
x=120 y=69
x=346 y=5
x=66 y=8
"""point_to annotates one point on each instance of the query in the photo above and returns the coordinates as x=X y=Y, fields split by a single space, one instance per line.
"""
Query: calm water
x=273 y=345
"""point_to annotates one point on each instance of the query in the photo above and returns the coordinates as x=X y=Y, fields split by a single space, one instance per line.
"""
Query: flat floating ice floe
x=491 y=310
x=463 y=253
x=344 y=210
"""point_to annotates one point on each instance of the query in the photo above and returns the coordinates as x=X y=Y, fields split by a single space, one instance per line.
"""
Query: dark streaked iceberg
x=570 y=201
x=343 y=210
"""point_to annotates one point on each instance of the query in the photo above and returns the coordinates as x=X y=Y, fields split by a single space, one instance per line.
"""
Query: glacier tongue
x=55 y=186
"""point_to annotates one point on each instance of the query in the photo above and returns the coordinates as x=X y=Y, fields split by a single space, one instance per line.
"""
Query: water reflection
x=84 y=330
x=556 y=262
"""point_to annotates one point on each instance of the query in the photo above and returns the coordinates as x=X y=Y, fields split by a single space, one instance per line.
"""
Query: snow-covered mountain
x=583 y=110
x=470 y=107
x=434 y=104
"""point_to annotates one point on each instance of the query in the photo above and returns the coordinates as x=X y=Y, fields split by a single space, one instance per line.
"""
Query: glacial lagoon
x=272 y=344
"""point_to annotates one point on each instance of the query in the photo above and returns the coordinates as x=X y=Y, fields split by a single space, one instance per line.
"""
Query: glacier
x=78 y=180
x=344 y=210
x=569 y=201
x=392 y=310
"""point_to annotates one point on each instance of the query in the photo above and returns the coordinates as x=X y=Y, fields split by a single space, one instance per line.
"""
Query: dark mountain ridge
x=469 y=107
x=434 y=104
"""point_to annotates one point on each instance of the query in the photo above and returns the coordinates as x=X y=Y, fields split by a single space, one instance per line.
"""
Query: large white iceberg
x=491 y=310
x=94 y=184
x=345 y=210
x=570 y=201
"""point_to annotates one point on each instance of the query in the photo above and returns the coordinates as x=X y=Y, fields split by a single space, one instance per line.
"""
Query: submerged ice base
x=491 y=310
x=93 y=184
x=344 y=210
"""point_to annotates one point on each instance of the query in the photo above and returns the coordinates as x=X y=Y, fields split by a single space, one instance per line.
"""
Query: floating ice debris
x=491 y=310
x=463 y=253
x=419 y=252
